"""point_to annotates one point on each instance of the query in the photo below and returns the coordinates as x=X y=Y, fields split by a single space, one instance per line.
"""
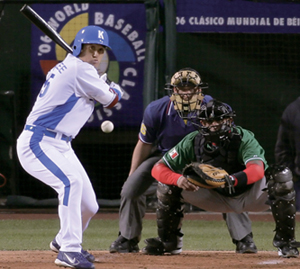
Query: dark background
x=257 y=74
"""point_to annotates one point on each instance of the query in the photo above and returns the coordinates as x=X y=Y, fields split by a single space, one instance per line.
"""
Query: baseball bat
x=38 y=21
x=46 y=28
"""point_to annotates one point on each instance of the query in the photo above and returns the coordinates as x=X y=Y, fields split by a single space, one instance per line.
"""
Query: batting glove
x=116 y=87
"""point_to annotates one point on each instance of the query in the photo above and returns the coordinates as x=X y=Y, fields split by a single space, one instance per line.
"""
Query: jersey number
x=46 y=85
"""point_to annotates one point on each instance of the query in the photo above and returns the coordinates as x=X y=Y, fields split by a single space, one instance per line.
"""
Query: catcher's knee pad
x=282 y=201
x=170 y=212
x=169 y=196
x=280 y=183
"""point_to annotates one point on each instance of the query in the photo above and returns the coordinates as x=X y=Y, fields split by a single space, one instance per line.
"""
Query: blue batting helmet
x=90 y=35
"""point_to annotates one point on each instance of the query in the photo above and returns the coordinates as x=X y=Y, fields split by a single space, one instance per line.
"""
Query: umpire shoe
x=54 y=246
x=245 y=245
x=123 y=245
x=73 y=260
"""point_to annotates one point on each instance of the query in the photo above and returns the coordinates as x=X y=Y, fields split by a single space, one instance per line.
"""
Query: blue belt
x=49 y=133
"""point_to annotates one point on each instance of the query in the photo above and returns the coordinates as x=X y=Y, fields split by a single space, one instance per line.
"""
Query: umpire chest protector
x=224 y=155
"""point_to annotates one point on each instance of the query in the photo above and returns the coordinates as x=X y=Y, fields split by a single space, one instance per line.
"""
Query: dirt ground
x=187 y=259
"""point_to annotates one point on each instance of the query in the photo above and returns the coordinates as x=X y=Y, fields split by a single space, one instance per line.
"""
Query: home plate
x=271 y=262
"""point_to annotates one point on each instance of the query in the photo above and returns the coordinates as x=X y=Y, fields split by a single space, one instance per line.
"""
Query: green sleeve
x=182 y=154
x=250 y=149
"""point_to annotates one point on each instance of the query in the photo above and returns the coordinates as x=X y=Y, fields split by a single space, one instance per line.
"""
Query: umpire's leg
x=133 y=201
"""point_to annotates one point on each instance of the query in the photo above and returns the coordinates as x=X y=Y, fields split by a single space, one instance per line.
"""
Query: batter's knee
x=90 y=209
x=94 y=208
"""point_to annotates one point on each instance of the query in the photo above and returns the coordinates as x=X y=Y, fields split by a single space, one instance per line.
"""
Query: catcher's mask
x=185 y=91
x=215 y=121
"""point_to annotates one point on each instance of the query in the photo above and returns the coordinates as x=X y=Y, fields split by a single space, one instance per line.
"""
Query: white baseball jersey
x=62 y=107
x=66 y=100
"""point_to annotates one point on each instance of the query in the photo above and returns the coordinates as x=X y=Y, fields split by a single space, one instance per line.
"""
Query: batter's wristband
x=240 y=179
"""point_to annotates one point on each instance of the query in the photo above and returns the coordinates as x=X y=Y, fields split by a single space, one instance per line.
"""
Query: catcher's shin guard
x=169 y=222
x=282 y=201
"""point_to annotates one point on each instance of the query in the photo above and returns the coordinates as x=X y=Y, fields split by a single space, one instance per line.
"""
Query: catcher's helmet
x=185 y=91
x=215 y=120
x=90 y=35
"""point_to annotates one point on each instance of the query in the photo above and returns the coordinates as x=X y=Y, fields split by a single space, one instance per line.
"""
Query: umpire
x=222 y=144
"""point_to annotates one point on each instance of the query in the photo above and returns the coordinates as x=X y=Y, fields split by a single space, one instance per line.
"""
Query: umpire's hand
x=183 y=183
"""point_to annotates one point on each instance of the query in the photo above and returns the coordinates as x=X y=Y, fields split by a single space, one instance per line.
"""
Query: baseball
x=107 y=126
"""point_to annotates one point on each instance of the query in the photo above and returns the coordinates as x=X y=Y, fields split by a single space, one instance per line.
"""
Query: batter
x=64 y=104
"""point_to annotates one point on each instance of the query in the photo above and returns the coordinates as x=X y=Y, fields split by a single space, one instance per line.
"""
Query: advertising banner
x=237 y=16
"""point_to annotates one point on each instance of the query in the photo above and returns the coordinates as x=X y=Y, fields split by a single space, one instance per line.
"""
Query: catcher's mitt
x=205 y=175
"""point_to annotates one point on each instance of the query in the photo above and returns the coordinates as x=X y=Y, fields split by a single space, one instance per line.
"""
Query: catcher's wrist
x=233 y=179
x=177 y=183
x=240 y=179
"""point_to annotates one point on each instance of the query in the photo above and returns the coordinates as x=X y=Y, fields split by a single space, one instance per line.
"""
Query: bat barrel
x=37 y=20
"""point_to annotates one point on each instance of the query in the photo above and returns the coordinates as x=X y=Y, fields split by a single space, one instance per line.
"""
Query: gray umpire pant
x=133 y=199
x=133 y=205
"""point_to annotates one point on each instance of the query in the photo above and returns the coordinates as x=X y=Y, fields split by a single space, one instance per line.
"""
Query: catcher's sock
x=123 y=245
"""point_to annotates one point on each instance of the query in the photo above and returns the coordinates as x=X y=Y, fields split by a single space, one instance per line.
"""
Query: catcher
x=221 y=168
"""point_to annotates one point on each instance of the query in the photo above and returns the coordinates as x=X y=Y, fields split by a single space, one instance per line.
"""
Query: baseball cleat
x=288 y=252
x=286 y=248
x=245 y=245
x=87 y=255
x=54 y=246
x=156 y=247
x=123 y=245
x=73 y=260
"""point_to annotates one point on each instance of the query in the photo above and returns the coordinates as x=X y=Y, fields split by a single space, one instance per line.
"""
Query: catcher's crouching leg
x=169 y=221
x=282 y=200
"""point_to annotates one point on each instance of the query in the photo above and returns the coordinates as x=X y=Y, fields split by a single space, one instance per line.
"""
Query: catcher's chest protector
x=224 y=156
